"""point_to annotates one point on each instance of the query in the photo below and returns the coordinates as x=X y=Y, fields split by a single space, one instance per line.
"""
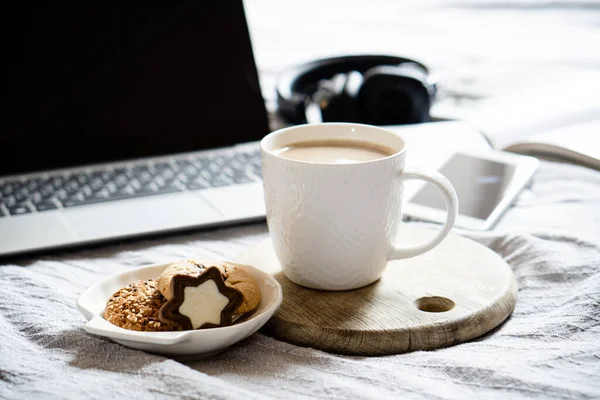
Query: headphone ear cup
x=395 y=95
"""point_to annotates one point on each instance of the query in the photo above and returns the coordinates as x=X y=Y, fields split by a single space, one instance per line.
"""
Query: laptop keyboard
x=138 y=180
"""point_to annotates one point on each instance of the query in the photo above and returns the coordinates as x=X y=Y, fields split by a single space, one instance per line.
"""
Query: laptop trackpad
x=39 y=230
x=241 y=201
x=130 y=217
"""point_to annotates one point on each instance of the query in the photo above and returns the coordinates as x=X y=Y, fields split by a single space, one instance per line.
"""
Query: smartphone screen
x=479 y=183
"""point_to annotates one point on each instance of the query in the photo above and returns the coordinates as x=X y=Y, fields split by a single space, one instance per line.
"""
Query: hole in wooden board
x=434 y=304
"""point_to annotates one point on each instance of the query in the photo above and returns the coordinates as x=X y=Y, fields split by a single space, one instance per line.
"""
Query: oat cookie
x=136 y=307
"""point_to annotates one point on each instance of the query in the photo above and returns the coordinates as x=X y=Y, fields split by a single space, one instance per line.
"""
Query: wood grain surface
x=452 y=294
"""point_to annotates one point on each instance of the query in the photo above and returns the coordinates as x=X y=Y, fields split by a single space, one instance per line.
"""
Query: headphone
x=370 y=89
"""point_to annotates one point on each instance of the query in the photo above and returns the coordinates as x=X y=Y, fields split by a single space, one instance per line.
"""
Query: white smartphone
x=486 y=184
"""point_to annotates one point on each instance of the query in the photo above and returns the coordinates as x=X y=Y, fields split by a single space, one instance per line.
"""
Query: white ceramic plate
x=196 y=343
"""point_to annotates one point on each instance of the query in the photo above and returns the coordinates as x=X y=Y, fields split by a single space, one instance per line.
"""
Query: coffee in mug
x=334 y=151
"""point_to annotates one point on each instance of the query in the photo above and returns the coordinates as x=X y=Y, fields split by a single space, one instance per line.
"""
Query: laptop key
x=72 y=203
x=35 y=197
x=198 y=184
x=81 y=178
x=199 y=163
x=242 y=157
x=140 y=169
x=47 y=191
x=110 y=187
x=9 y=201
x=227 y=171
x=104 y=176
x=45 y=205
x=151 y=186
x=224 y=159
x=144 y=176
x=57 y=182
x=158 y=180
x=17 y=186
x=172 y=186
x=189 y=171
x=8 y=188
x=242 y=178
x=127 y=191
x=214 y=167
x=121 y=179
x=220 y=181
x=135 y=184
x=255 y=163
x=126 y=172
x=71 y=186
x=181 y=164
x=21 y=196
x=103 y=194
x=73 y=200
x=183 y=179
x=154 y=189
x=162 y=166
x=86 y=191
x=62 y=195
x=167 y=174
x=96 y=183
x=19 y=209
x=32 y=185
x=236 y=165
x=206 y=174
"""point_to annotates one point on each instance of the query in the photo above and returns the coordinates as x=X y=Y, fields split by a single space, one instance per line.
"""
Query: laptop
x=123 y=120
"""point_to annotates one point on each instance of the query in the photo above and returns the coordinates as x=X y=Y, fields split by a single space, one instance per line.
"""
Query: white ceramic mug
x=333 y=226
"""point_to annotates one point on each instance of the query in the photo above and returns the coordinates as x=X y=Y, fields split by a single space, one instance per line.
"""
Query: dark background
x=103 y=81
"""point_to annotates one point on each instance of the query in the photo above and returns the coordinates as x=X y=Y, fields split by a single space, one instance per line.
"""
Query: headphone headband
x=295 y=85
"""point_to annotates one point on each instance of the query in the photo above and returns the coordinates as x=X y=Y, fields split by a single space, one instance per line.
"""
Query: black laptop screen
x=98 y=82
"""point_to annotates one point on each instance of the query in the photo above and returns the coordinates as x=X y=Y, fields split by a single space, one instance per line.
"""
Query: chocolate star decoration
x=202 y=298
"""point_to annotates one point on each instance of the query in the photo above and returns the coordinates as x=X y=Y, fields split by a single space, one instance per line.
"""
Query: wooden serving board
x=454 y=293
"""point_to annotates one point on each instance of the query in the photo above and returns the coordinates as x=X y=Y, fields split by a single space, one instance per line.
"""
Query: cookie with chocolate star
x=200 y=301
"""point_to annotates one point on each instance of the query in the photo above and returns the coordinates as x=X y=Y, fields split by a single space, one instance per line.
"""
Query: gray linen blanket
x=549 y=348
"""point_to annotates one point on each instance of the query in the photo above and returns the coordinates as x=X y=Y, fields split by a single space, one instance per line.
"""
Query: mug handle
x=447 y=190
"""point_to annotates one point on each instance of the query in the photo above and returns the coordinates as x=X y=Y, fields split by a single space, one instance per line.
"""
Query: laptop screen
x=104 y=81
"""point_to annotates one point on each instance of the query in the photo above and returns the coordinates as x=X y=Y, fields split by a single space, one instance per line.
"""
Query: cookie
x=177 y=268
x=239 y=278
x=136 y=307
x=236 y=277
x=198 y=301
